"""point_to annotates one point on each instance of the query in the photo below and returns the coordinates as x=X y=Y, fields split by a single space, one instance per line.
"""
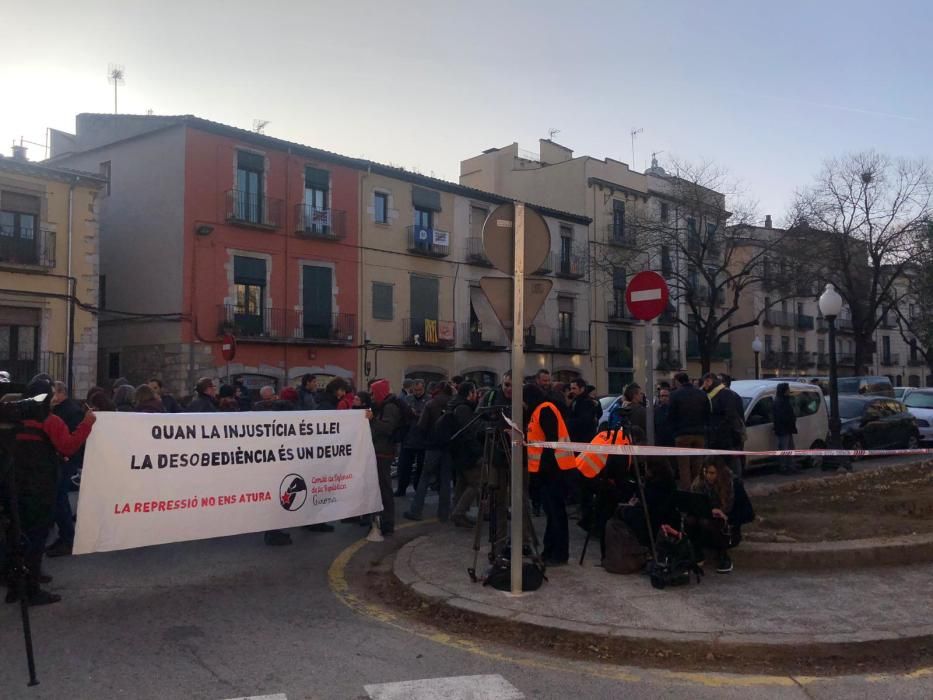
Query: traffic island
x=753 y=621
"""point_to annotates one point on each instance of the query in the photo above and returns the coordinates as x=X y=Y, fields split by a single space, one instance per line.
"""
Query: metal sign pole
x=649 y=382
x=518 y=377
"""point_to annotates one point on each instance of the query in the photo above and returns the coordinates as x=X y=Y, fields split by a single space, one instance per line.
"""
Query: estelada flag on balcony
x=430 y=331
x=445 y=331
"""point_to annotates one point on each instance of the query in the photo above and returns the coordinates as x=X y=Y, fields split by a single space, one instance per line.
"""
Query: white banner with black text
x=152 y=478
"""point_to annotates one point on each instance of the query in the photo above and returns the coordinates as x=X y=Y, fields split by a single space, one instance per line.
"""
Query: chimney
x=767 y=221
x=19 y=152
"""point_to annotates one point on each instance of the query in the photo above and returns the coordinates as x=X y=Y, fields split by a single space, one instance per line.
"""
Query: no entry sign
x=646 y=295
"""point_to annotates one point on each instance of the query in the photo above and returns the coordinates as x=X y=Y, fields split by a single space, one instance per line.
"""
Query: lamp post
x=830 y=304
x=756 y=348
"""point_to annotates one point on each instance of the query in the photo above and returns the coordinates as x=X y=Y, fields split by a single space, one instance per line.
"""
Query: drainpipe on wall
x=361 y=302
x=74 y=292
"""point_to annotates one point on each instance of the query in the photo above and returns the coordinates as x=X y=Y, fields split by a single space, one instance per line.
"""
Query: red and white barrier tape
x=653 y=450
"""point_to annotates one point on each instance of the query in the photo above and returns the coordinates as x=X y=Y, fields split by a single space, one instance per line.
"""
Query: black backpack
x=676 y=560
x=445 y=427
x=499 y=575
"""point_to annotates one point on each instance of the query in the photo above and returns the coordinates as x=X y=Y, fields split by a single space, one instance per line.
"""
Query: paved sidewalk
x=744 y=607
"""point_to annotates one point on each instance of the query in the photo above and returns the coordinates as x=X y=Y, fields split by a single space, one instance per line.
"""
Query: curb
x=863 y=645
x=844 y=554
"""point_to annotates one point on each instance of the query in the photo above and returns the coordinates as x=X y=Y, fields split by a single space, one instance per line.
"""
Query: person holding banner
x=36 y=457
x=385 y=418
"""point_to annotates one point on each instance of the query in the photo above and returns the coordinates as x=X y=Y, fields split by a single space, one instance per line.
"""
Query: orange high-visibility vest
x=592 y=463
x=565 y=458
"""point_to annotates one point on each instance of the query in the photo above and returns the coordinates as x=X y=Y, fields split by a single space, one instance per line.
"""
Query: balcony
x=538 y=337
x=428 y=241
x=624 y=237
x=891 y=360
x=428 y=333
x=771 y=360
x=547 y=266
x=668 y=317
x=782 y=319
x=888 y=322
x=476 y=253
x=723 y=351
x=822 y=360
x=287 y=325
x=569 y=265
x=822 y=325
x=324 y=224
x=703 y=295
x=471 y=336
x=916 y=362
x=572 y=341
x=617 y=312
x=844 y=325
x=804 y=360
x=23 y=369
x=35 y=250
x=249 y=209
x=668 y=360
x=805 y=323
x=845 y=360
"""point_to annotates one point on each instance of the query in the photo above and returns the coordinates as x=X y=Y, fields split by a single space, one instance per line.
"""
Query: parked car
x=920 y=404
x=606 y=404
x=877 y=423
x=899 y=392
x=809 y=407
x=869 y=385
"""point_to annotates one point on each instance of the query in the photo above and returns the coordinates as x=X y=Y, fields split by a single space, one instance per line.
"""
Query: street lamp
x=756 y=348
x=830 y=304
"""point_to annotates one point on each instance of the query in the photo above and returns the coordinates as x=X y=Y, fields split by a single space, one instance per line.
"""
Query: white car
x=812 y=419
x=920 y=403
x=605 y=404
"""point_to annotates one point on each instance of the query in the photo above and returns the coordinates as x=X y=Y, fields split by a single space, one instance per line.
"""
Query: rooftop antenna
x=635 y=132
x=116 y=76
x=259 y=125
x=149 y=112
x=551 y=133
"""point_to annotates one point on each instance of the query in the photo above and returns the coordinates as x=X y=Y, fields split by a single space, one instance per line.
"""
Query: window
x=619 y=283
x=665 y=211
x=785 y=343
x=424 y=218
x=249 y=279
x=799 y=309
x=807 y=403
x=769 y=344
x=693 y=238
x=821 y=346
x=566 y=250
x=382 y=301
x=19 y=217
x=477 y=219
x=104 y=170
x=913 y=349
x=693 y=278
x=113 y=365
x=381 y=208
x=102 y=292
x=316 y=207
x=801 y=347
x=565 y=321
x=248 y=202
x=618 y=220
x=667 y=269
x=886 y=349
x=762 y=412
x=619 y=359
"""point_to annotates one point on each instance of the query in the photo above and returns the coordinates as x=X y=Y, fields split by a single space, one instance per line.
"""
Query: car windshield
x=850 y=408
x=918 y=400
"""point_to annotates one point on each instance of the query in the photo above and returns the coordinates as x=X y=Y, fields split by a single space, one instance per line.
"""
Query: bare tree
x=914 y=313
x=700 y=234
x=866 y=213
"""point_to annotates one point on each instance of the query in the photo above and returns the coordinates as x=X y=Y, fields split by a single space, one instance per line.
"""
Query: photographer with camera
x=37 y=449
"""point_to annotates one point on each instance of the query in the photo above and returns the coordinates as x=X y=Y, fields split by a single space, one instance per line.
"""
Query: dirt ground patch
x=885 y=502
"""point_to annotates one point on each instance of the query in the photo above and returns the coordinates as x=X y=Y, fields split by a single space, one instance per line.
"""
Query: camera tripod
x=494 y=504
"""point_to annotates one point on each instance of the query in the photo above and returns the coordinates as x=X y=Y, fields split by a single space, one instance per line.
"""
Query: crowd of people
x=430 y=435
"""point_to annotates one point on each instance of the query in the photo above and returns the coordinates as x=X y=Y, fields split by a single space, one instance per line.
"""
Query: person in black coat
x=726 y=424
x=785 y=426
x=584 y=414
x=689 y=421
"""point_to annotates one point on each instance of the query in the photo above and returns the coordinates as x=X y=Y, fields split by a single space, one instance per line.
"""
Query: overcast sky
x=765 y=89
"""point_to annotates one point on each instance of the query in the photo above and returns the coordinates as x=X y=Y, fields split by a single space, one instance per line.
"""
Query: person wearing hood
x=384 y=426
x=37 y=452
x=204 y=401
x=123 y=397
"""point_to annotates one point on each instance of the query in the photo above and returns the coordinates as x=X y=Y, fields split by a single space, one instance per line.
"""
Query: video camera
x=35 y=408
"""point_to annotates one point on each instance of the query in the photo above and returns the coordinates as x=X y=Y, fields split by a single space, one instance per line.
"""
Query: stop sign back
x=647 y=295
x=228 y=347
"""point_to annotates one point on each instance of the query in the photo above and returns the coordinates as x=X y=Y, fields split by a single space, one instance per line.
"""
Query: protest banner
x=157 y=478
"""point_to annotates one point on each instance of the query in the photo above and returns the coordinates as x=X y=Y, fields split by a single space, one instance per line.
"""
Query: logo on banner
x=293 y=492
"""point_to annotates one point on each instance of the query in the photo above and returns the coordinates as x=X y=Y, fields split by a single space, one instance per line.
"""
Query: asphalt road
x=231 y=618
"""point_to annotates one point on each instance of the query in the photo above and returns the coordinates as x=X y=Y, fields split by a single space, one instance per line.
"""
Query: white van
x=812 y=420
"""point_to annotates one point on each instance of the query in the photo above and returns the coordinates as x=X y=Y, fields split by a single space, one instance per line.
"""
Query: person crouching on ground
x=715 y=482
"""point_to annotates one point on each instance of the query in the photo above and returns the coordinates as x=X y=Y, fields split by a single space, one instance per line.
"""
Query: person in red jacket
x=36 y=456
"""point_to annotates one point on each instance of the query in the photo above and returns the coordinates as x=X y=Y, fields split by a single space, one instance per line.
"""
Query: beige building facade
x=48 y=271
x=422 y=310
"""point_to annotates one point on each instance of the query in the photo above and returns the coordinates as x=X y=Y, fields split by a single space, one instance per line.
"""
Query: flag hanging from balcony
x=445 y=331
x=430 y=331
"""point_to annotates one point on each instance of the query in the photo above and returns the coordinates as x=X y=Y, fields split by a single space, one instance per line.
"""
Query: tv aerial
x=116 y=76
